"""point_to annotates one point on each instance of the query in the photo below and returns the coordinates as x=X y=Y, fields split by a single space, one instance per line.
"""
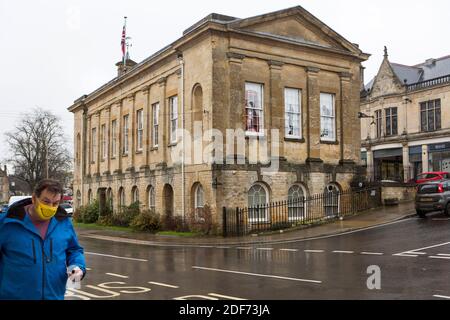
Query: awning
x=387 y=153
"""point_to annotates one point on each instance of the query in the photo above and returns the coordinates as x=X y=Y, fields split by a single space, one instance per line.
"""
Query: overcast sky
x=54 y=51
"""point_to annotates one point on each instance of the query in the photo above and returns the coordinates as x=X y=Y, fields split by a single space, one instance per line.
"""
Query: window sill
x=125 y=155
x=172 y=144
x=329 y=142
x=260 y=136
x=113 y=158
x=139 y=152
x=154 y=148
x=293 y=139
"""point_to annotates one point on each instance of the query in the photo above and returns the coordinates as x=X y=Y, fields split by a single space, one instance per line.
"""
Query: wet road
x=413 y=257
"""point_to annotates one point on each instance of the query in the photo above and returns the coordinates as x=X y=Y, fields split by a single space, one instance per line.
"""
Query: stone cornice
x=312 y=70
x=345 y=76
x=162 y=81
x=235 y=57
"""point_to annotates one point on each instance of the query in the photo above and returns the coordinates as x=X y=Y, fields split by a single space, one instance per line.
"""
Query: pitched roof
x=430 y=69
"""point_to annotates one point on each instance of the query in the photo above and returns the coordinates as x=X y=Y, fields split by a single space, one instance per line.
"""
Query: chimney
x=361 y=73
x=430 y=62
x=5 y=170
x=124 y=68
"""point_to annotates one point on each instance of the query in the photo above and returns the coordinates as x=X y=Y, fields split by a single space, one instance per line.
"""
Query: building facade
x=283 y=82
x=406 y=125
x=4 y=185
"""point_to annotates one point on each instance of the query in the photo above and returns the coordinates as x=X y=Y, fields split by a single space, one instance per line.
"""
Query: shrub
x=90 y=213
x=147 y=220
x=177 y=223
x=87 y=214
x=203 y=222
x=124 y=217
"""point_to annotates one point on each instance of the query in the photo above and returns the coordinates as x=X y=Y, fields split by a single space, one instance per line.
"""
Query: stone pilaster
x=344 y=113
x=313 y=115
x=237 y=96
x=275 y=113
x=147 y=124
x=132 y=131
x=164 y=120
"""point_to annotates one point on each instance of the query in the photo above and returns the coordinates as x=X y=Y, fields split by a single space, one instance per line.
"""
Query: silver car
x=433 y=196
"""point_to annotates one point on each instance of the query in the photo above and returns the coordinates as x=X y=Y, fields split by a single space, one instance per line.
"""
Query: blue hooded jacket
x=32 y=268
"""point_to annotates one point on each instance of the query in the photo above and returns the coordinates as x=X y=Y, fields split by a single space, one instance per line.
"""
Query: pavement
x=364 y=220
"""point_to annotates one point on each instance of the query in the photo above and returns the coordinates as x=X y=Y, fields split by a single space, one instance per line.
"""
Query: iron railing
x=296 y=212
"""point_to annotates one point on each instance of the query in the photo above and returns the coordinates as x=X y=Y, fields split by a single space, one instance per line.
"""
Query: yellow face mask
x=45 y=212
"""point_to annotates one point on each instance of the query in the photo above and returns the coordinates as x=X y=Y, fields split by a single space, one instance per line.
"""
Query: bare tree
x=38 y=148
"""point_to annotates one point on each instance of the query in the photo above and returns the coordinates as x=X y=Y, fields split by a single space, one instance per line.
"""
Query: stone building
x=4 y=185
x=283 y=79
x=407 y=129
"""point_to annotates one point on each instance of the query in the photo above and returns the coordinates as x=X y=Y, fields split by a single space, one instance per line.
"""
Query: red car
x=432 y=176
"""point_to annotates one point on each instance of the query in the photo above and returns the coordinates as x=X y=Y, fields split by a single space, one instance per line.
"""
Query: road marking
x=440 y=257
x=225 y=297
x=265 y=249
x=439 y=296
x=117 y=275
x=223 y=247
x=339 y=251
x=373 y=253
x=421 y=249
x=115 y=257
x=440 y=219
x=289 y=250
x=205 y=247
x=444 y=254
x=163 y=284
x=257 y=274
x=244 y=248
x=405 y=255
x=314 y=251
x=88 y=269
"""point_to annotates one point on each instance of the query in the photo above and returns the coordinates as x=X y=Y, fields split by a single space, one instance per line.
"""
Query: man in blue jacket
x=39 y=249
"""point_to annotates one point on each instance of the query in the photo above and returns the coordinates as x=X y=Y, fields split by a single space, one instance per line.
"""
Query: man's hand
x=75 y=273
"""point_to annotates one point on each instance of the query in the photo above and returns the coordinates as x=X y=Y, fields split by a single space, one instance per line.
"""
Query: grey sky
x=54 y=51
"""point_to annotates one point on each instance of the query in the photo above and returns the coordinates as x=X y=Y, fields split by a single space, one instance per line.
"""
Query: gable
x=298 y=25
x=294 y=28
x=386 y=81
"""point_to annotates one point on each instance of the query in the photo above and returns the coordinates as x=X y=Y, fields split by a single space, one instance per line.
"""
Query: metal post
x=224 y=222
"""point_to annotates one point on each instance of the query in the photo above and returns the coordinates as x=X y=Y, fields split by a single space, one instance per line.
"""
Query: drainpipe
x=180 y=59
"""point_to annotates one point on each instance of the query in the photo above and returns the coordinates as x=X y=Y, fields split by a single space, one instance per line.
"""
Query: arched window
x=109 y=199
x=296 y=203
x=151 y=198
x=121 y=198
x=89 y=196
x=199 y=201
x=78 y=204
x=331 y=200
x=258 y=197
x=135 y=194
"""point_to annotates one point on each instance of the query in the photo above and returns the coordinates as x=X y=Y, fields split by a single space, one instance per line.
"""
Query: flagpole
x=124 y=39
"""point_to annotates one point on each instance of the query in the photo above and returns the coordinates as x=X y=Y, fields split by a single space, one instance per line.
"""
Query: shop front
x=388 y=165
x=439 y=157
x=415 y=159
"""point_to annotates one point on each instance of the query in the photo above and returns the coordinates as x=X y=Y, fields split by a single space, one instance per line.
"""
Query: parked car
x=431 y=176
x=3 y=208
x=67 y=207
x=433 y=196
x=14 y=199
